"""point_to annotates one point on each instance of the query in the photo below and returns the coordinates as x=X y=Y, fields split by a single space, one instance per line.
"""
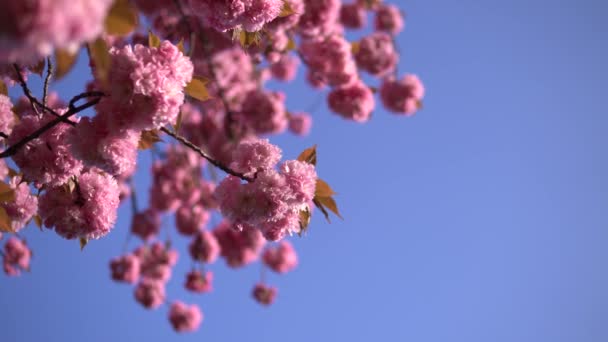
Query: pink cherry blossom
x=16 y=256
x=264 y=294
x=204 y=247
x=300 y=123
x=23 y=208
x=354 y=101
x=125 y=268
x=376 y=54
x=146 y=224
x=198 y=282
x=185 y=318
x=150 y=293
x=7 y=117
x=402 y=96
x=389 y=19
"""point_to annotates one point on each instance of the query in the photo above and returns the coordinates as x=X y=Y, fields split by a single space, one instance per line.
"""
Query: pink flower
x=239 y=248
x=254 y=155
x=285 y=69
x=300 y=123
x=287 y=22
x=185 y=318
x=354 y=102
x=264 y=294
x=32 y=29
x=150 y=293
x=403 y=96
x=352 y=16
x=88 y=210
x=16 y=257
x=146 y=224
x=23 y=208
x=190 y=219
x=259 y=13
x=319 y=18
x=7 y=117
x=389 y=19
x=278 y=228
x=204 y=247
x=3 y=169
x=301 y=178
x=147 y=86
x=377 y=54
x=265 y=111
x=224 y=15
x=98 y=144
x=156 y=261
x=48 y=158
x=281 y=258
x=125 y=268
x=329 y=60
x=198 y=282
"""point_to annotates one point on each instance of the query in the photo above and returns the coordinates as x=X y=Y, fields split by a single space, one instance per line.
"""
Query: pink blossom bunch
x=146 y=224
x=16 y=256
x=185 y=318
x=35 y=28
x=329 y=60
x=300 y=123
x=126 y=268
x=250 y=15
x=264 y=112
x=98 y=144
x=238 y=248
x=7 y=117
x=354 y=101
x=264 y=294
x=376 y=54
x=389 y=19
x=87 y=209
x=23 y=207
x=191 y=219
x=281 y=258
x=47 y=159
x=150 y=293
x=156 y=261
x=204 y=247
x=352 y=16
x=320 y=17
x=402 y=96
x=285 y=68
x=147 y=86
x=199 y=282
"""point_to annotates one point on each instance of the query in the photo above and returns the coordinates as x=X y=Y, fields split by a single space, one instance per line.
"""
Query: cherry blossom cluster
x=191 y=82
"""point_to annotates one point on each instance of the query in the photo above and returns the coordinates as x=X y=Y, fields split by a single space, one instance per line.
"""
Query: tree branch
x=47 y=80
x=202 y=153
x=11 y=150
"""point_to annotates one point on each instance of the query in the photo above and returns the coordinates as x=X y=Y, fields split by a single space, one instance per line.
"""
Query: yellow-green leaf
x=249 y=38
x=12 y=172
x=197 y=88
x=153 y=40
x=3 y=88
x=180 y=46
x=83 y=243
x=286 y=10
x=355 y=47
x=64 y=61
x=178 y=122
x=121 y=19
x=148 y=138
x=304 y=220
x=5 y=222
x=330 y=203
x=100 y=54
x=38 y=221
x=291 y=45
x=7 y=194
x=39 y=68
x=309 y=155
x=323 y=189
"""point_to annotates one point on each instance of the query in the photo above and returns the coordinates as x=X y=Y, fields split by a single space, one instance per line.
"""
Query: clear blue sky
x=483 y=218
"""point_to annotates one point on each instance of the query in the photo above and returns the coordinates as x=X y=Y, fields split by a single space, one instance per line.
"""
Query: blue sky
x=482 y=218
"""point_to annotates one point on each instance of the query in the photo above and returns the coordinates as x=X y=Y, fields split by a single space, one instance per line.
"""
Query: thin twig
x=47 y=80
x=3 y=135
x=196 y=149
x=11 y=150
x=26 y=90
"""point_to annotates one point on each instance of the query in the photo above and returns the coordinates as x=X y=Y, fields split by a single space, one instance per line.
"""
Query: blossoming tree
x=194 y=71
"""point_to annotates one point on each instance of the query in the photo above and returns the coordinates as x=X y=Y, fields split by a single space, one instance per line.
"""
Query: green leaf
x=286 y=10
x=322 y=189
x=197 y=88
x=122 y=19
x=83 y=243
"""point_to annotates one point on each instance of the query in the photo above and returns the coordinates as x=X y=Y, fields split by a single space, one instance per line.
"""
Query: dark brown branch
x=3 y=135
x=11 y=150
x=26 y=90
x=202 y=153
x=47 y=80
